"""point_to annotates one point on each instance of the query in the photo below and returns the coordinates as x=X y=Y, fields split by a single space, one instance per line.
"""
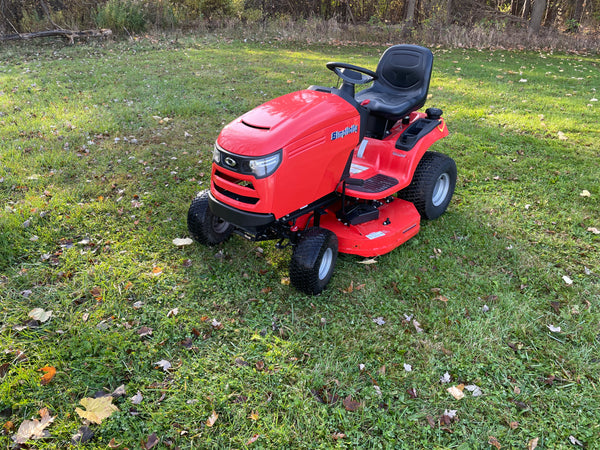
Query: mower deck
x=398 y=222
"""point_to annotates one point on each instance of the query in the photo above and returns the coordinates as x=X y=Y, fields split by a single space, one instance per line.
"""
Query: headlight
x=264 y=167
x=258 y=167
x=217 y=154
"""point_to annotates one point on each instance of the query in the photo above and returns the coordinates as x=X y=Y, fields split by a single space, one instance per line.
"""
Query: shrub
x=122 y=15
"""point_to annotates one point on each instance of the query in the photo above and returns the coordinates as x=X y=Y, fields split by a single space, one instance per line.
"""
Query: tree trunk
x=449 y=11
x=526 y=9
x=537 y=14
x=577 y=15
x=410 y=13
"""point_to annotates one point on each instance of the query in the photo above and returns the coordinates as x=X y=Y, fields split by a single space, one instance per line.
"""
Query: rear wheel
x=432 y=185
x=203 y=225
x=313 y=260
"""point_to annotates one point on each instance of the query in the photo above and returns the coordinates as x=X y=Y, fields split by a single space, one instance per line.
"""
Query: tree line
x=22 y=16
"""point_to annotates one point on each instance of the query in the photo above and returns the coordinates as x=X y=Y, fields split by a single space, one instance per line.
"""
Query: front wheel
x=432 y=185
x=313 y=260
x=203 y=225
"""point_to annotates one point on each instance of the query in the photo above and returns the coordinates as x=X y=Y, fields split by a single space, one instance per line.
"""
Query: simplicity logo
x=343 y=133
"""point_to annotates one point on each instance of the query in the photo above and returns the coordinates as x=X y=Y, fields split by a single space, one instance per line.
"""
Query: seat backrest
x=405 y=69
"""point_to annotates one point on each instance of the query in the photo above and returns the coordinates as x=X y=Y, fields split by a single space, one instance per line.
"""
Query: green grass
x=103 y=146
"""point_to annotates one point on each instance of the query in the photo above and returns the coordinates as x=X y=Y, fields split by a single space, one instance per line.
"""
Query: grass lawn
x=103 y=146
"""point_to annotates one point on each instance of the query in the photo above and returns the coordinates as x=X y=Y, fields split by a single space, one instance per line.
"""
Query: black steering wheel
x=354 y=74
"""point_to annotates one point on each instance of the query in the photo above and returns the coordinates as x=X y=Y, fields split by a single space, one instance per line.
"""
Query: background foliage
x=137 y=15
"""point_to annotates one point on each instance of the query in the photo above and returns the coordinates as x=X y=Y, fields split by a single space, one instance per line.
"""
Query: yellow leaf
x=212 y=419
x=97 y=409
x=254 y=416
x=456 y=391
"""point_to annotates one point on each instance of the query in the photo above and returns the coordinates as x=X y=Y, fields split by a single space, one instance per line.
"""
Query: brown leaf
x=83 y=435
x=260 y=365
x=431 y=421
x=533 y=444
x=350 y=404
x=253 y=439
x=513 y=425
x=412 y=392
x=4 y=369
x=441 y=298
x=113 y=443
x=144 y=331
x=48 y=375
x=34 y=429
x=493 y=441
x=337 y=436
x=212 y=419
x=151 y=442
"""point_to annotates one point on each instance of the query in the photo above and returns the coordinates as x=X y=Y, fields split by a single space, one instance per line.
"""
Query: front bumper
x=253 y=223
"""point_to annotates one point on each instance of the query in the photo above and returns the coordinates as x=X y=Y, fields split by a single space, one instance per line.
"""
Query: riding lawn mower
x=330 y=170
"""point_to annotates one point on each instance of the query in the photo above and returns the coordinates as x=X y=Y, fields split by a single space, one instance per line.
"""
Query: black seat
x=402 y=84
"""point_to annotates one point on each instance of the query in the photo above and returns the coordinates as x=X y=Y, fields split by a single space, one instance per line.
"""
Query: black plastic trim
x=243 y=219
x=419 y=128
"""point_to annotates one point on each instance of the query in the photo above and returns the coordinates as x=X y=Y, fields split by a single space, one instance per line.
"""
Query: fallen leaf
x=417 y=326
x=350 y=404
x=575 y=441
x=254 y=416
x=445 y=378
x=173 y=312
x=119 y=392
x=137 y=398
x=585 y=193
x=513 y=425
x=493 y=441
x=40 y=315
x=533 y=444
x=113 y=443
x=48 y=375
x=337 y=436
x=216 y=325
x=474 y=390
x=83 y=435
x=253 y=439
x=212 y=419
x=156 y=271
x=593 y=230
x=260 y=365
x=151 y=442
x=182 y=242
x=144 y=331
x=562 y=136
x=4 y=369
x=456 y=391
x=554 y=329
x=567 y=280
x=368 y=261
x=164 y=364
x=379 y=321
x=407 y=367
x=441 y=298
x=97 y=409
x=285 y=281
x=412 y=392
x=34 y=429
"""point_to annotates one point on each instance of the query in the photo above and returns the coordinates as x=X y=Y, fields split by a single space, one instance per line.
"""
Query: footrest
x=375 y=184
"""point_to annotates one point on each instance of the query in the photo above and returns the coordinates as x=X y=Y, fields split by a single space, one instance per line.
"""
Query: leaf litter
x=34 y=429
